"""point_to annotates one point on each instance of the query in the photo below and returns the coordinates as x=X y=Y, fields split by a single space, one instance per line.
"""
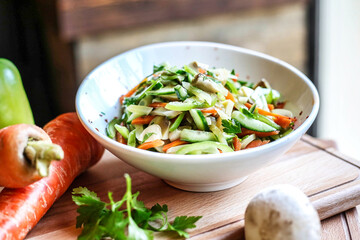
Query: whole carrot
x=25 y=154
x=22 y=208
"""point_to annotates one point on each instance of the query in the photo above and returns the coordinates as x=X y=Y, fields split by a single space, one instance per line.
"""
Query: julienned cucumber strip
x=143 y=93
x=230 y=85
x=290 y=130
x=110 y=128
x=204 y=147
x=161 y=91
x=133 y=116
x=146 y=101
x=122 y=130
x=181 y=92
x=266 y=120
x=189 y=70
x=182 y=106
x=132 y=138
x=137 y=109
x=251 y=123
x=202 y=95
x=228 y=136
x=177 y=122
x=199 y=119
x=196 y=136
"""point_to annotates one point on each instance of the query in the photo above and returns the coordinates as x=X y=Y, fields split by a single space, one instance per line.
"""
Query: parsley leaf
x=158 y=217
x=251 y=110
x=130 y=100
x=140 y=214
x=181 y=72
x=183 y=222
x=248 y=112
x=131 y=221
x=90 y=206
x=135 y=232
x=209 y=73
x=146 y=136
x=114 y=225
x=231 y=126
x=157 y=68
x=157 y=86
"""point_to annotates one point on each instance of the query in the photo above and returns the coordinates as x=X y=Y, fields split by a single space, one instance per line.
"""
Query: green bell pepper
x=14 y=105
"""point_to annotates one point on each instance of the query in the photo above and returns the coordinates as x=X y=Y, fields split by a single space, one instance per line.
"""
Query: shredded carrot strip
x=284 y=122
x=281 y=120
x=131 y=92
x=151 y=144
x=209 y=110
x=177 y=142
x=203 y=71
x=237 y=144
x=263 y=112
x=230 y=96
x=245 y=131
x=257 y=143
x=235 y=80
x=157 y=104
x=121 y=99
x=220 y=150
x=143 y=120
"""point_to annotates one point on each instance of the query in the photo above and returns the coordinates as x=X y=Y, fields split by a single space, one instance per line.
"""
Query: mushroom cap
x=281 y=212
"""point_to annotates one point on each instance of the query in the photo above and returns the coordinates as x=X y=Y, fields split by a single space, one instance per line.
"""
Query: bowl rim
x=208 y=157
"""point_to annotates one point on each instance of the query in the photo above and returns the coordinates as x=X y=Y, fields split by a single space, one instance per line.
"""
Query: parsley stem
x=128 y=194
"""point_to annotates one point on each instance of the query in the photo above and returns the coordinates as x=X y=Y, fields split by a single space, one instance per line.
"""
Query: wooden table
x=327 y=177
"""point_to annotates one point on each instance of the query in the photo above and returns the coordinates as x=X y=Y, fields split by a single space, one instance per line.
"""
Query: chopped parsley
x=231 y=126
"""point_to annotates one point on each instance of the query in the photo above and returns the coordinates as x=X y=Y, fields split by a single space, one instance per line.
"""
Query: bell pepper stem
x=41 y=153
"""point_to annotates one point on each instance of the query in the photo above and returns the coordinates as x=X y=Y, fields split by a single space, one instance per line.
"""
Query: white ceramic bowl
x=97 y=102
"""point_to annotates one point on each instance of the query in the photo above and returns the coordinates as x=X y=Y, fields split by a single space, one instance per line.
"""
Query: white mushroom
x=152 y=132
x=281 y=212
x=201 y=81
x=196 y=65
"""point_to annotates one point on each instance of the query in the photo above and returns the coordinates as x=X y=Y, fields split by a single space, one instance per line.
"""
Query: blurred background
x=55 y=43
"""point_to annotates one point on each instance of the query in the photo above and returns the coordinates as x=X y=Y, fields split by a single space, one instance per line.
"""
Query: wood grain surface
x=81 y=17
x=326 y=178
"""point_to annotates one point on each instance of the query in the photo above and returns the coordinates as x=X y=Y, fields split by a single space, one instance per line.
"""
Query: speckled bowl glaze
x=97 y=102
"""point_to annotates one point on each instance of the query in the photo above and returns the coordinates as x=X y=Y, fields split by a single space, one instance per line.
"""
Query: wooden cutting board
x=328 y=178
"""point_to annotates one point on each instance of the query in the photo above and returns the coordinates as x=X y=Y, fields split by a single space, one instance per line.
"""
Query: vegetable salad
x=199 y=110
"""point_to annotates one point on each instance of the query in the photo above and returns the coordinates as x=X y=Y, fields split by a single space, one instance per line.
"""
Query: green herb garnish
x=158 y=68
x=231 y=126
x=146 y=136
x=129 y=101
x=125 y=219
